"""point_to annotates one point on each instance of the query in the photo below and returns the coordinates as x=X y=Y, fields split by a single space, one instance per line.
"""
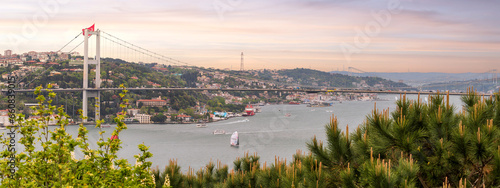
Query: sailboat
x=235 y=141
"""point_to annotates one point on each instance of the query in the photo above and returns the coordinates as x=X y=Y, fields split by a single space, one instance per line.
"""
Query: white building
x=143 y=118
x=4 y=118
x=132 y=112
x=8 y=53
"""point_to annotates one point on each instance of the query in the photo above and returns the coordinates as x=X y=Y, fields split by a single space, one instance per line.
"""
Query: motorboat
x=219 y=131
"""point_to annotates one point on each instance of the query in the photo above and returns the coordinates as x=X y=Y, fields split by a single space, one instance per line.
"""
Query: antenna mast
x=242 y=68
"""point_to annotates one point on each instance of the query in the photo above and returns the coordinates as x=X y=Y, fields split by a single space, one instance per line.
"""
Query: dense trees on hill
x=190 y=77
x=309 y=76
x=219 y=104
x=120 y=72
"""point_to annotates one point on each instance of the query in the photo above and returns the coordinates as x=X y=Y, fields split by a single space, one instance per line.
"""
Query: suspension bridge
x=93 y=52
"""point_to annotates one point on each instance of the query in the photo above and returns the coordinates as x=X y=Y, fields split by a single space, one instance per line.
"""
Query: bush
x=48 y=156
x=417 y=145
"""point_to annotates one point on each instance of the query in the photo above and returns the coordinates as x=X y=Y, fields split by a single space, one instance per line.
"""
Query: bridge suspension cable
x=141 y=50
x=70 y=42
x=37 y=76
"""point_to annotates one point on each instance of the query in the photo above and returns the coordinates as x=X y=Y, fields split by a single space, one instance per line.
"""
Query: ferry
x=249 y=110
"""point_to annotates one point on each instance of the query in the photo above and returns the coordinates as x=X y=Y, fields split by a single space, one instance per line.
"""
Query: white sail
x=235 y=141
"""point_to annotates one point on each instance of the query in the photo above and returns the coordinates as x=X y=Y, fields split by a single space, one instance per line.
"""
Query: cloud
x=288 y=32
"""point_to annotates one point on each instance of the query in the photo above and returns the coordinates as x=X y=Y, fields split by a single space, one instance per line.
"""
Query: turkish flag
x=91 y=28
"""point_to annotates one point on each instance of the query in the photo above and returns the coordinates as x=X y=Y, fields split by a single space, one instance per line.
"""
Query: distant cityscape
x=61 y=70
x=144 y=108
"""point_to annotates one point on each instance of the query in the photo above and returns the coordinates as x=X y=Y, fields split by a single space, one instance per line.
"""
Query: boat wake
x=282 y=130
x=233 y=122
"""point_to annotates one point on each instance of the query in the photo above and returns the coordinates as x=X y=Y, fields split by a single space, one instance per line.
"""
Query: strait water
x=269 y=133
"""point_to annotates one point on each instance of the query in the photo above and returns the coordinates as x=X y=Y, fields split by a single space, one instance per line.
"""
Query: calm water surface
x=268 y=133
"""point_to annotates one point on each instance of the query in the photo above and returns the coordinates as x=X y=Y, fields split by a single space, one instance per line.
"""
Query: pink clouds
x=282 y=34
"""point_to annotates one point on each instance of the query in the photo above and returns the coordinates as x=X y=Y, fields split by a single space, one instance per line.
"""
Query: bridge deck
x=235 y=89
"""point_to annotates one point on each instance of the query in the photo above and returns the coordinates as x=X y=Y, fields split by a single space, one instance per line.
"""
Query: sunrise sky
x=371 y=35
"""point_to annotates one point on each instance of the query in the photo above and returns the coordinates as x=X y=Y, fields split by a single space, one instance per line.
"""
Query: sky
x=328 y=35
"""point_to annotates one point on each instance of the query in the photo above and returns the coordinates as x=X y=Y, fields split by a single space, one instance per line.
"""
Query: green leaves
x=54 y=164
x=419 y=145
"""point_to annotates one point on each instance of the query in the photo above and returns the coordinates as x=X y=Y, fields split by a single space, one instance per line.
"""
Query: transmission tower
x=242 y=68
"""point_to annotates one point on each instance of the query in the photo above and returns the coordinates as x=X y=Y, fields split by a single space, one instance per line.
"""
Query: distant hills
x=419 y=78
x=318 y=78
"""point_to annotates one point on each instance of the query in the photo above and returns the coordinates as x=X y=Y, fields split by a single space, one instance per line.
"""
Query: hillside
x=421 y=78
x=484 y=86
x=113 y=73
x=325 y=79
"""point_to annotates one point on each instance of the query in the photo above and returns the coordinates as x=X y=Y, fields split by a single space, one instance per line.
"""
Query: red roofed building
x=160 y=69
x=31 y=62
x=184 y=117
x=158 y=102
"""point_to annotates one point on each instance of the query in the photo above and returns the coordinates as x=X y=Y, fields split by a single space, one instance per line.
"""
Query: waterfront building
x=184 y=117
x=143 y=118
x=156 y=102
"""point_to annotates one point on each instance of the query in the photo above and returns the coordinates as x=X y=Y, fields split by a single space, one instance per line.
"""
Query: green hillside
x=325 y=79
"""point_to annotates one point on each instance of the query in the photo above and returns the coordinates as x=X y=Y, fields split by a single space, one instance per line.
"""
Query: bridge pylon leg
x=85 y=105
x=87 y=92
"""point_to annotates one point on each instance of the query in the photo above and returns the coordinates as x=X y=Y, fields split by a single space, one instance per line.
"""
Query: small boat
x=219 y=131
x=258 y=110
x=201 y=125
x=294 y=102
x=246 y=120
x=235 y=140
x=249 y=110
x=288 y=115
x=106 y=126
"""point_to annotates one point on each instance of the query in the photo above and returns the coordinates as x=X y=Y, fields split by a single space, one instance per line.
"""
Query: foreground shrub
x=48 y=157
x=417 y=145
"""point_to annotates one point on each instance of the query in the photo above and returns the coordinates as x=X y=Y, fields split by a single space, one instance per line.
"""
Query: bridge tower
x=91 y=92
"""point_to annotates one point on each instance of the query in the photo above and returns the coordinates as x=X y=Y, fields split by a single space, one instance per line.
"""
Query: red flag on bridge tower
x=91 y=28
